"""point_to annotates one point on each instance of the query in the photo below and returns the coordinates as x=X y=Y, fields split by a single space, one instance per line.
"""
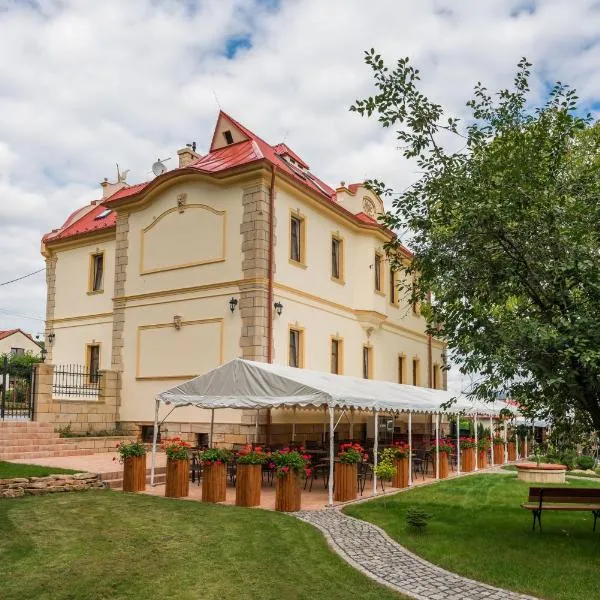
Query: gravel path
x=370 y=550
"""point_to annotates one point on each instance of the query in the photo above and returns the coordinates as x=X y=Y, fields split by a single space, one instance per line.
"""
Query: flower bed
x=542 y=473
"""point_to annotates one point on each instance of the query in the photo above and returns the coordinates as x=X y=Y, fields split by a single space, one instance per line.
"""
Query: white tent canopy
x=247 y=384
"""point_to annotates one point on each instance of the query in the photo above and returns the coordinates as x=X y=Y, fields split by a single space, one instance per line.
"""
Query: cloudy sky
x=84 y=85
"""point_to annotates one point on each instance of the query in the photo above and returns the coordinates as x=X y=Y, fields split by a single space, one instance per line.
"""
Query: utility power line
x=12 y=314
x=23 y=277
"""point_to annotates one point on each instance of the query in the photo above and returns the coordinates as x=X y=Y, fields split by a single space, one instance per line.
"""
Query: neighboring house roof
x=8 y=332
x=218 y=160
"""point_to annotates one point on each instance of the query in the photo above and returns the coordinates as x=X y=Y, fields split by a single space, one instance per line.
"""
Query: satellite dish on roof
x=159 y=167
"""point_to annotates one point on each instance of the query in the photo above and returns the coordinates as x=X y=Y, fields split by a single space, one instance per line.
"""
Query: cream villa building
x=17 y=342
x=167 y=279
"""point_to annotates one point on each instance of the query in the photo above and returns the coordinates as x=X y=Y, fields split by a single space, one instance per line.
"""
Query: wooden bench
x=558 y=498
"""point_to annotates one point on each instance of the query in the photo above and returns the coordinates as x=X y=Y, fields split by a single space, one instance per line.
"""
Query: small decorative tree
x=417 y=519
x=385 y=470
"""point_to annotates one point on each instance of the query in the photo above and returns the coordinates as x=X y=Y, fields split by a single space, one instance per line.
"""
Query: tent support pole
x=476 y=444
x=516 y=439
x=352 y=424
x=492 y=440
x=410 y=480
x=331 y=457
x=154 y=438
x=375 y=452
x=212 y=427
x=294 y=425
x=505 y=440
x=437 y=446
x=457 y=443
x=256 y=431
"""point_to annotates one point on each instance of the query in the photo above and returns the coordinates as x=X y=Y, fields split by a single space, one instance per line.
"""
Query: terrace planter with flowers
x=290 y=467
x=401 y=452
x=249 y=476
x=498 y=451
x=214 y=474
x=483 y=445
x=178 y=468
x=467 y=454
x=346 y=472
x=444 y=450
x=512 y=450
x=133 y=457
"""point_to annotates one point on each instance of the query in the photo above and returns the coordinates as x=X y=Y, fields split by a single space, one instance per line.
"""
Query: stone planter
x=134 y=474
x=287 y=492
x=512 y=451
x=178 y=479
x=345 y=482
x=482 y=459
x=214 y=482
x=498 y=454
x=247 y=485
x=542 y=473
x=443 y=457
x=467 y=460
x=400 y=479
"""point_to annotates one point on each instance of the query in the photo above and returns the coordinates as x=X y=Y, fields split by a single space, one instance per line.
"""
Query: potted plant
x=346 y=472
x=178 y=467
x=400 y=453
x=214 y=474
x=483 y=444
x=443 y=451
x=385 y=471
x=133 y=457
x=498 y=451
x=289 y=466
x=467 y=454
x=249 y=475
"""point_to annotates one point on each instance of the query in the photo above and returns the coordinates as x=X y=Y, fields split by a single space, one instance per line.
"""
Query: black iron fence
x=16 y=390
x=76 y=381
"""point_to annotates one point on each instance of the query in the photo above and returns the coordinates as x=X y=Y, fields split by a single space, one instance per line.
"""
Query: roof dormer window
x=228 y=137
x=103 y=214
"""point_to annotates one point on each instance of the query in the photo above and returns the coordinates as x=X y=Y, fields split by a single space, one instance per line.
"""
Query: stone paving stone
x=369 y=549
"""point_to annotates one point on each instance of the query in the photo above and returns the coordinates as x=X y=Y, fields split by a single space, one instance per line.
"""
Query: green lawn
x=100 y=545
x=10 y=470
x=478 y=530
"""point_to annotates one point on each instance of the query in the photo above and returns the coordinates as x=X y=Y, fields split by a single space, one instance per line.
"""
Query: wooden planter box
x=512 y=451
x=247 y=485
x=345 y=482
x=134 y=474
x=214 y=482
x=287 y=492
x=178 y=479
x=400 y=479
x=482 y=459
x=524 y=448
x=443 y=464
x=498 y=454
x=467 y=457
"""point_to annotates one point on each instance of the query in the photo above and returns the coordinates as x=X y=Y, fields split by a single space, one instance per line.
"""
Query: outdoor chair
x=195 y=468
x=320 y=469
x=364 y=472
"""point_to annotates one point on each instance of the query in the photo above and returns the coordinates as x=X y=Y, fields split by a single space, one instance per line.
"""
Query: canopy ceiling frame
x=244 y=384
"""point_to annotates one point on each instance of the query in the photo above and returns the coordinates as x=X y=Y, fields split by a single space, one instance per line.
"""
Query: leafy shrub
x=569 y=459
x=585 y=462
x=417 y=518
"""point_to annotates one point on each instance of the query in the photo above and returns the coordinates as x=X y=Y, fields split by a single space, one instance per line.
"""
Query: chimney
x=108 y=189
x=187 y=155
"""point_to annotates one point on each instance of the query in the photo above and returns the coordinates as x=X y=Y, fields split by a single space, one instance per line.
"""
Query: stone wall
x=82 y=415
x=37 y=486
x=99 y=444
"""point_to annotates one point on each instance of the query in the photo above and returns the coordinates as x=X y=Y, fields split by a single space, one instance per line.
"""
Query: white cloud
x=86 y=84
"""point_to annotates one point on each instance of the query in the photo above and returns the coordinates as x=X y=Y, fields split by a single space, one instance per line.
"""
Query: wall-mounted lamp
x=233 y=303
x=177 y=321
x=51 y=337
x=278 y=308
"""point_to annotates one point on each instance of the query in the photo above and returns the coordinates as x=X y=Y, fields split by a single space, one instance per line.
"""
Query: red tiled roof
x=253 y=149
x=8 y=332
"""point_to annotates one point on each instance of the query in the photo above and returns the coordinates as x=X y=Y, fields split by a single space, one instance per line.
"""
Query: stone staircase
x=27 y=439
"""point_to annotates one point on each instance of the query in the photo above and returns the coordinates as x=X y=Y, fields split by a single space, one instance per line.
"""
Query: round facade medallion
x=369 y=207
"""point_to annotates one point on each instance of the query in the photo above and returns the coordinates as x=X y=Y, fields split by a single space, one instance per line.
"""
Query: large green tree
x=504 y=226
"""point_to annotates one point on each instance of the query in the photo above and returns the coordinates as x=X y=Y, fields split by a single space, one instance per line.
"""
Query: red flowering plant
x=467 y=443
x=445 y=446
x=251 y=456
x=351 y=454
x=175 y=448
x=286 y=460
x=129 y=449
x=214 y=456
x=498 y=441
x=400 y=449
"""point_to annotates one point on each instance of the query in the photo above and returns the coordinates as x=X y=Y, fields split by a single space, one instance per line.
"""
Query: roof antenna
x=216 y=98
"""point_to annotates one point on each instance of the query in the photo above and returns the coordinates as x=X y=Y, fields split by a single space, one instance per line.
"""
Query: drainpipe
x=270 y=263
x=429 y=352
